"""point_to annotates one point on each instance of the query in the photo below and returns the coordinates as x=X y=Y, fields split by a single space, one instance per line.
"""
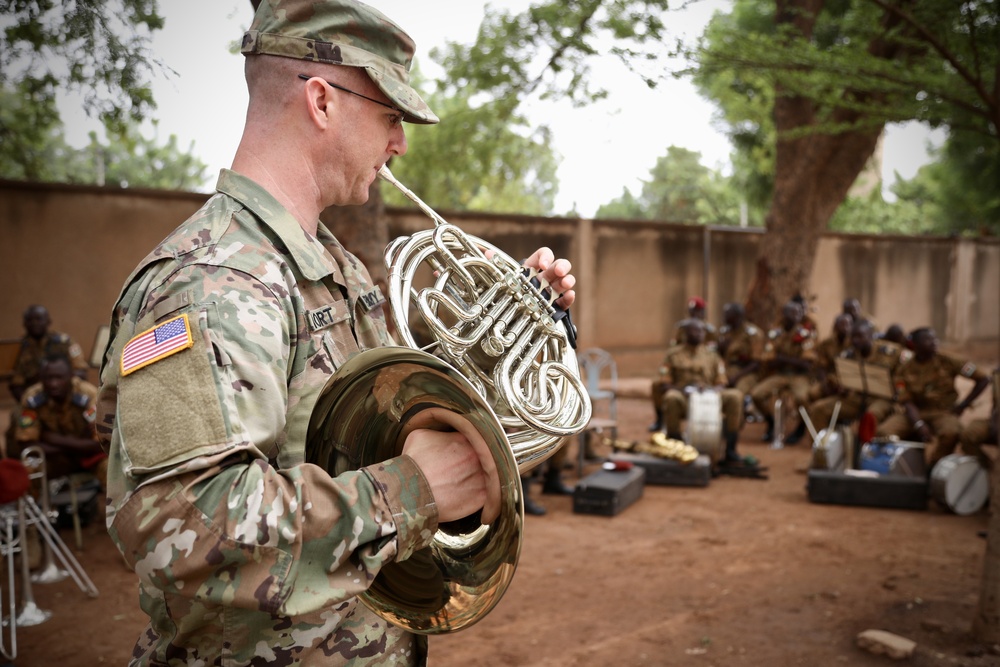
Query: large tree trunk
x=813 y=173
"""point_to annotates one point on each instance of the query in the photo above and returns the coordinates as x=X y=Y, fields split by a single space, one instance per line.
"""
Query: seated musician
x=38 y=343
x=894 y=334
x=979 y=432
x=789 y=355
x=692 y=366
x=827 y=351
x=852 y=307
x=863 y=348
x=931 y=409
x=696 y=311
x=58 y=414
x=741 y=345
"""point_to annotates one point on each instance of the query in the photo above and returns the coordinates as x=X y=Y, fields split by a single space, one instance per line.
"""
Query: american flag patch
x=157 y=343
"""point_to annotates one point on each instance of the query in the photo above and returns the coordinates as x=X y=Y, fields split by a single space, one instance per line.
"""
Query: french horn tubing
x=484 y=354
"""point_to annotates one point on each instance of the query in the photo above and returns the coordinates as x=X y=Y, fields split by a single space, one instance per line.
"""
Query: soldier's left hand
x=557 y=273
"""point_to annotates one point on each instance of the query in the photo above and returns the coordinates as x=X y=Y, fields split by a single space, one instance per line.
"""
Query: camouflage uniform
x=884 y=354
x=800 y=343
x=28 y=366
x=658 y=387
x=979 y=432
x=743 y=347
x=207 y=478
x=930 y=386
x=73 y=417
x=687 y=366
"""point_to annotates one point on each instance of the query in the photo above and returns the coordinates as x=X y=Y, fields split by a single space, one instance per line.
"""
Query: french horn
x=483 y=353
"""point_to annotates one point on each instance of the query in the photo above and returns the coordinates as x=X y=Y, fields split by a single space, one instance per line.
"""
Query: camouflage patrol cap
x=341 y=32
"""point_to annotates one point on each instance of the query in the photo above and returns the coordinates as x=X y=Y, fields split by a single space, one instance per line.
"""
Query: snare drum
x=960 y=484
x=833 y=452
x=894 y=458
x=704 y=423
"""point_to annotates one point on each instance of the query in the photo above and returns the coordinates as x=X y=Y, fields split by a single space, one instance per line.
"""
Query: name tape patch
x=160 y=342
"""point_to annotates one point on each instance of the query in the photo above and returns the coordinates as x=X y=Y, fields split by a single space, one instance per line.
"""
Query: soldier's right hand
x=460 y=478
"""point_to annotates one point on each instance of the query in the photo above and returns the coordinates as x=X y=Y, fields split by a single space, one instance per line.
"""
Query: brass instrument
x=502 y=372
x=22 y=514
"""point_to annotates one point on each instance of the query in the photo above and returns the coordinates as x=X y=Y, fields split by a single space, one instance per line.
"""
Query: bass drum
x=895 y=458
x=960 y=484
x=833 y=451
x=704 y=423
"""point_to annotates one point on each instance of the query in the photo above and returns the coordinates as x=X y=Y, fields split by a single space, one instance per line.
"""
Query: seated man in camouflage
x=38 y=343
x=789 y=356
x=691 y=367
x=931 y=409
x=58 y=414
x=862 y=348
x=979 y=432
x=741 y=345
x=696 y=311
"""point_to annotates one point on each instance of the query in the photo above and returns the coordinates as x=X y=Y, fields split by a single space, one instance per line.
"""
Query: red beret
x=14 y=481
x=696 y=302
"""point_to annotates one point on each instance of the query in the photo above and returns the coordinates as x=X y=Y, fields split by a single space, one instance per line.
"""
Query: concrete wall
x=71 y=247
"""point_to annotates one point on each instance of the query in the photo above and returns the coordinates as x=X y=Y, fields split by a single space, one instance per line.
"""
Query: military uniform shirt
x=700 y=366
x=246 y=554
x=34 y=351
x=73 y=417
x=799 y=342
x=930 y=385
x=745 y=345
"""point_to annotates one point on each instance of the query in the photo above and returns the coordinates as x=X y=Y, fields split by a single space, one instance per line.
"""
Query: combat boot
x=658 y=424
x=553 y=484
x=797 y=434
x=769 y=434
x=731 y=456
x=530 y=506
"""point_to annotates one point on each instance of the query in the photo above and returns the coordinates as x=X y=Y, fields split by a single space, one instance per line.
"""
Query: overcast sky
x=603 y=148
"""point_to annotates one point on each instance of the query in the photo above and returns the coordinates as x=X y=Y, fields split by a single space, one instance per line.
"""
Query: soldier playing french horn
x=223 y=337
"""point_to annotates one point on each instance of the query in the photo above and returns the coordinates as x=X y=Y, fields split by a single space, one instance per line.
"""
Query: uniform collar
x=306 y=250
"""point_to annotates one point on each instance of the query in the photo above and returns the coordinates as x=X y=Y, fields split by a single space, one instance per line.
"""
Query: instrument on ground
x=503 y=372
x=778 y=440
x=24 y=514
x=895 y=458
x=960 y=484
x=833 y=449
x=704 y=423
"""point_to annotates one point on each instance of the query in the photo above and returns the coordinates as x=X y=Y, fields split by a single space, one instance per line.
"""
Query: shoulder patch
x=968 y=369
x=80 y=400
x=157 y=343
x=752 y=330
x=37 y=400
x=27 y=418
x=906 y=355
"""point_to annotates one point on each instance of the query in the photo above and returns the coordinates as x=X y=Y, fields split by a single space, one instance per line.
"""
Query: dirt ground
x=741 y=572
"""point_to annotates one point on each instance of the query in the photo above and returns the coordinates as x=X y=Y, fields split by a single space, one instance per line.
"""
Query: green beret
x=341 y=32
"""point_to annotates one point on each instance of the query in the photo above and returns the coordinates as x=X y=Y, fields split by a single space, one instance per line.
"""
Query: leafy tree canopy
x=681 y=189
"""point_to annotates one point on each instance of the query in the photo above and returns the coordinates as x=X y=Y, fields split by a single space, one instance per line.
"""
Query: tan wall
x=71 y=247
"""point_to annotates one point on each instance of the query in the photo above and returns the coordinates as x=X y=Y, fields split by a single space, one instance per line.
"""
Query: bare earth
x=743 y=572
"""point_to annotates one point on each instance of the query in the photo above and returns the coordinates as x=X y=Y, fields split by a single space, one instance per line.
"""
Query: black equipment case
x=893 y=492
x=608 y=492
x=668 y=472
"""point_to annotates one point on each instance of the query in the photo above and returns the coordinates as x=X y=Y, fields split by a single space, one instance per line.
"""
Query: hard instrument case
x=669 y=472
x=827 y=486
x=608 y=492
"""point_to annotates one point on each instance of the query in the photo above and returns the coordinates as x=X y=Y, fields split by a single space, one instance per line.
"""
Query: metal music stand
x=866 y=379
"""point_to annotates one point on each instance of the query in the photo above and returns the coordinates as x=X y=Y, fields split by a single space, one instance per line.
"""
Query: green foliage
x=866 y=63
x=681 y=189
x=475 y=160
x=96 y=48
x=133 y=160
x=548 y=48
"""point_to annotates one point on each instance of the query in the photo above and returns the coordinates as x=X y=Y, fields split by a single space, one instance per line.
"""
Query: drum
x=894 y=457
x=833 y=452
x=704 y=423
x=960 y=484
